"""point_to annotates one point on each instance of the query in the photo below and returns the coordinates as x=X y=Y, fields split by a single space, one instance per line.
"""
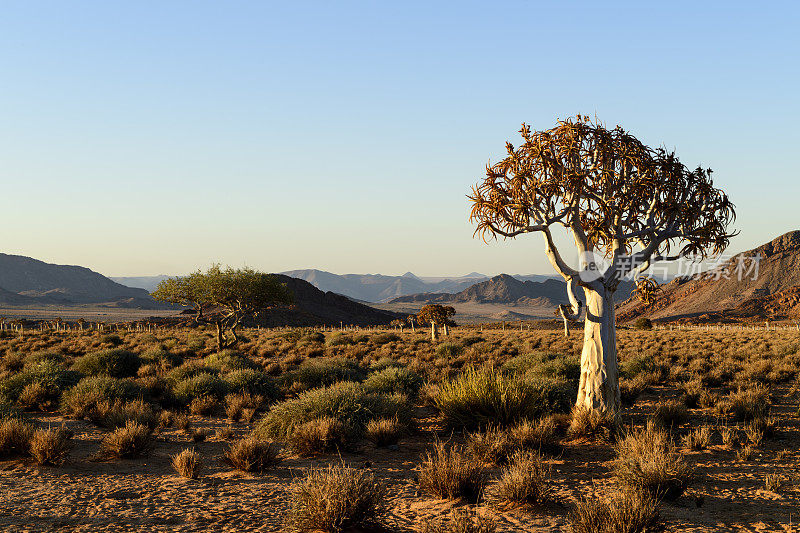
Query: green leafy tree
x=225 y=297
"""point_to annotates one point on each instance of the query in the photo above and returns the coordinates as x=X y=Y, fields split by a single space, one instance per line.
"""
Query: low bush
x=747 y=404
x=203 y=405
x=348 y=402
x=45 y=381
x=227 y=361
x=526 y=480
x=187 y=463
x=314 y=373
x=478 y=397
x=15 y=438
x=449 y=350
x=670 y=414
x=448 y=472
x=384 y=431
x=643 y=323
x=385 y=338
x=545 y=364
x=591 y=424
x=460 y=521
x=648 y=460
x=82 y=399
x=161 y=357
x=628 y=511
x=50 y=446
x=252 y=454
x=697 y=439
x=250 y=381
x=117 y=363
x=127 y=442
x=203 y=384
x=394 y=379
x=117 y=413
x=335 y=498
x=325 y=434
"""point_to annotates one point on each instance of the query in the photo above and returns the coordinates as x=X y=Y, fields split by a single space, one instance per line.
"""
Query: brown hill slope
x=40 y=283
x=725 y=293
x=505 y=289
x=315 y=307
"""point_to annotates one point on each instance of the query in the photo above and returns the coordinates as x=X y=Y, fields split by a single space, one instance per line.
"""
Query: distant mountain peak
x=409 y=275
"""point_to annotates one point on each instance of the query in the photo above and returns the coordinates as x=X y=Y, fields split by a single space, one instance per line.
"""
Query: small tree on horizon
x=625 y=206
x=224 y=297
x=435 y=315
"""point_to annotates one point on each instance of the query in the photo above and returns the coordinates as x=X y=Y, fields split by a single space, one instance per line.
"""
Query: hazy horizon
x=162 y=137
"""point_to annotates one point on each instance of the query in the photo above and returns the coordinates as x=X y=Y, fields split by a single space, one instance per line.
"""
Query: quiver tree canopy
x=225 y=297
x=625 y=205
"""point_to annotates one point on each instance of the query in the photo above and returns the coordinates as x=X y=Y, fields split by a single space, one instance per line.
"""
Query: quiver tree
x=399 y=323
x=435 y=315
x=224 y=297
x=411 y=319
x=625 y=206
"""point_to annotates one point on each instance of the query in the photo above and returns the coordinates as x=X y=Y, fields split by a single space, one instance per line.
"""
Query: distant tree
x=411 y=320
x=81 y=321
x=399 y=323
x=435 y=315
x=625 y=205
x=224 y=297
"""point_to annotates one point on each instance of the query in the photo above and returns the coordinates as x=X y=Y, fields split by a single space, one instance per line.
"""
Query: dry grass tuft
x=451 y=473
x=51 y=446
x=593 y=425
x=629 y=511
x=460 y=522
x=252 y=455
x=130 y=441
x=15 y=438
x=321 y=435
x=335 y=498
x=647 y=460
x=187 y=463
x=384 y=431
x=526 y=480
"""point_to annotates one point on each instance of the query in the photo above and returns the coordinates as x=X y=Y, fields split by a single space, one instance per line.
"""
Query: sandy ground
x=90 y=313
x=146 y=495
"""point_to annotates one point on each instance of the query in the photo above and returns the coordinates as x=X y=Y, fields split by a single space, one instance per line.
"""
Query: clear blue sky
x=157 y=137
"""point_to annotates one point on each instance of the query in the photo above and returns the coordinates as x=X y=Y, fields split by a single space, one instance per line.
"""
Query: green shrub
x=487 y=396
x=51 y=376
x=314 y=373
x=313 y=337
x=643 y=323
x=227 y=361
x=251 y=381
x=340 y=339
x=348 y=402
x=449 y=350
x=112 y=339
x=545 y=364
x=161 y=357
x=394 y=379
x=186 y=370
x=203 y=384
x=83 y=399
x=117 y=363
x=43 y=356
x=385 y=338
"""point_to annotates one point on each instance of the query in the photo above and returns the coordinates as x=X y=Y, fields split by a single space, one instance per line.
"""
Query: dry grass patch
x=460 y=522
x=384 y=431
x=335 y=498
x=252 y=455
x=51 y=446
x=526 y=480
x=451 y=473
x=628 y=511
x=15 y=438
x=647 y=460
x=187 y=463
x=127 y=442
x=593 y=425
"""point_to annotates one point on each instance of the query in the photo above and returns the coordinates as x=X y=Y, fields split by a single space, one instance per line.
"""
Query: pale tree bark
x=599 y=384
x=434 y=332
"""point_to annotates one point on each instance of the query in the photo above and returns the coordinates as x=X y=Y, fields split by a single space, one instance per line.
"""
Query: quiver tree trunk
x=434 y=332
x=599 y=384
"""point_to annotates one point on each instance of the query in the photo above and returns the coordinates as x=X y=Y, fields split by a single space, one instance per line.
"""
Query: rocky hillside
x=25 y=281
x=315 y=307
x=735 y=290
x=505 y=289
